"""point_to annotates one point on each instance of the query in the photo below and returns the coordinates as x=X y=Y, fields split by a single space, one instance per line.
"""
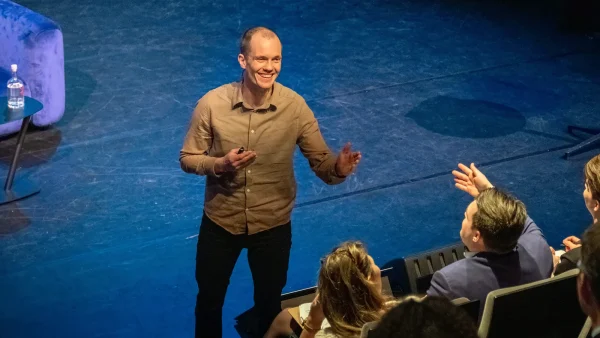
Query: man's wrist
x=219 y=166
x=488 y=186
x=337 y=173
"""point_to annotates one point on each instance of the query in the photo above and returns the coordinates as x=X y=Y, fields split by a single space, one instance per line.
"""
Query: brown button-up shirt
x=260 y=196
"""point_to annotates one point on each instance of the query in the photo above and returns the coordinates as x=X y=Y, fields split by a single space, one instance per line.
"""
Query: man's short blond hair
x=248 y=34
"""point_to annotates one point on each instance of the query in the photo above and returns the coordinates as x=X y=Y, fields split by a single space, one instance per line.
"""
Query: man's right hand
x=233 y=161
x=471 y=180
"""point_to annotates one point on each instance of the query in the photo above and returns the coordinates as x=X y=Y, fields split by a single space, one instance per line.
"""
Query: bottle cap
x=13 y=68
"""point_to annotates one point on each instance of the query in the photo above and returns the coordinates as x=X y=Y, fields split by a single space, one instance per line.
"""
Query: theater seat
x=546 y=308
x=414 y=272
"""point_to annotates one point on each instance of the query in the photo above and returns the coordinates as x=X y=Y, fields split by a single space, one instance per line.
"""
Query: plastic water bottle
x=15 y=90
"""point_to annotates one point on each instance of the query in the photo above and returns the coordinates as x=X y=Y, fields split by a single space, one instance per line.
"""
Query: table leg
x=23 y=189
x=15 y=159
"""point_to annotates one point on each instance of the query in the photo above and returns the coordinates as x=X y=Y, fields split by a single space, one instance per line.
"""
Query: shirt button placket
x=249 y=171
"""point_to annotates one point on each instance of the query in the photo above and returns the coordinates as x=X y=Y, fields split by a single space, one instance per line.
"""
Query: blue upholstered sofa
x=35 y=44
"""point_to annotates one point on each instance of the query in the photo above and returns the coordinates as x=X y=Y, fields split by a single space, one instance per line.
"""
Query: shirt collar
x=469 y=254
x=238 y=98
x=596 y=331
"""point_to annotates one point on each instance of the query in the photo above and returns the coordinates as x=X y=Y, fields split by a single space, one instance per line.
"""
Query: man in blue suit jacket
x=506 y=248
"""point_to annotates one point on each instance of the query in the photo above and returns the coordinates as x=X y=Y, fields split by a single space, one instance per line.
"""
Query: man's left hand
x=347 y=161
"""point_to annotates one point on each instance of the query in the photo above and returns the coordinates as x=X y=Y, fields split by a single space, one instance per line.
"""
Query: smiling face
x=262 y=62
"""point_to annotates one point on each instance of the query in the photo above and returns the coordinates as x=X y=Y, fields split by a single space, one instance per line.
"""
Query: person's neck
x=475 y=248
x=253 y=94
x=596 y=216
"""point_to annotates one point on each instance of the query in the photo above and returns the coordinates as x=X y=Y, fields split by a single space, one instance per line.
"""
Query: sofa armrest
x=35 y=44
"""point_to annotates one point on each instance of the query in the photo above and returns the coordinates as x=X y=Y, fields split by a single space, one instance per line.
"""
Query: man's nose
x=268 y=65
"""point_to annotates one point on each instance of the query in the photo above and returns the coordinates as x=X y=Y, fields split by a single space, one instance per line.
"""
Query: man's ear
x=242 y=60
x=477 y=237
x=596 y=205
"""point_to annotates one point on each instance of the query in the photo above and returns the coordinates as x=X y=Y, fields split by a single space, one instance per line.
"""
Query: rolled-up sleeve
x=193 y=157
x=314 y=148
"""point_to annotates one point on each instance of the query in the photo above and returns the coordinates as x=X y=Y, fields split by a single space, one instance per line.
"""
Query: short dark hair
x=432 y=317
x=590 y=257
x=500 y=218
x=249 y=33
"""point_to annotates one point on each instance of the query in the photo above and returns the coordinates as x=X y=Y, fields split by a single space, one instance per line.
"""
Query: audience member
x=429 y=317
x=591 y=197
x=349 y=295
x=505 y=247
x=588 y=281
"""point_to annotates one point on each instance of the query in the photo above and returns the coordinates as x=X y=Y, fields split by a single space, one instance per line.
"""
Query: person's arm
x=194 y=158
x=321 y=159
x=308 y=333
x=312 y=325
x=440 y=287
x=568 y=261
x=531 y=228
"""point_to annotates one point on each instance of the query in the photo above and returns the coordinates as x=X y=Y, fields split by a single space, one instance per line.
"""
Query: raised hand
x=347 y=161
x=470 y=180
x=233 y=161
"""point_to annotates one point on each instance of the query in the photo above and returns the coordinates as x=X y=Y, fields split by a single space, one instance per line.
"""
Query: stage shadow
x=39 y=147
x=79 y=87
x=13 y=220
x=466 y=118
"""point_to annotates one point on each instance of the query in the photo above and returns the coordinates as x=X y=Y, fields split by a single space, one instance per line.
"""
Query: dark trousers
x=216 y=255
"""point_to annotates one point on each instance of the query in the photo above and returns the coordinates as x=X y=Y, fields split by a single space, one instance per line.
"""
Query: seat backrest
x=546 y=308
x=367 y=328
x=415 y=271
x=471 y=307
x=298 y=297
x=585 y=330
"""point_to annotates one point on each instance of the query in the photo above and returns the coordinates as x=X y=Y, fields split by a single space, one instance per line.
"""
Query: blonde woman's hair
x=348 y=296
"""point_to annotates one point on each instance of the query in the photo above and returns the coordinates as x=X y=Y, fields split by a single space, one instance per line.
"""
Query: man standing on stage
x=242 y=136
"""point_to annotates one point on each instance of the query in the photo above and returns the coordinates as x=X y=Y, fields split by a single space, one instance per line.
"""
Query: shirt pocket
x=279 y=138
